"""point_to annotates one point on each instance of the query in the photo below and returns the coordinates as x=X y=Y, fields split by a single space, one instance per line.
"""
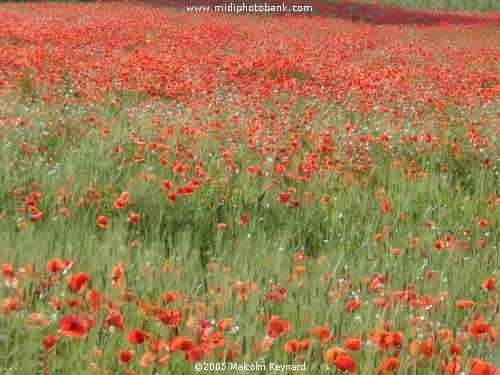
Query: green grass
x=447 y=5
x=184 y=235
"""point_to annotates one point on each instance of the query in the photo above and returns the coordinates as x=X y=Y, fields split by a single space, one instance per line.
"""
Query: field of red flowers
x=181 y=188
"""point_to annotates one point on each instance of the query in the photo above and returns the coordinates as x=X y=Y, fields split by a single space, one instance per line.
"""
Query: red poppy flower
x=444 y=335
x=388 y=365
x=320 y=332
x=117 y=274
x=172 y=318
x=72 y=326
x=386 y=205
x=166 y=184
x=119 y=203
x=423 y=348
x=299 y=257
x=230 y=355
x=295 y=346
x=170 y=296
x=345 y=363
x=353 y=343
x=49 y=341
x=481 y=367
x=9 y=304
x=452 y=365
x=133 y=218
x=222 y=226
x=125 y=355
x=353 y=305
x=439 y=244
x=8 y=269
x=454 y=348
x=55 y=265
x=197 y=354
x=243 y=220
x=484 y=223
x=102 y=221
x=465 y=304
x=115 y=319
x=155 y=345
x=333 y=353
x=478 y=328
x=224 y=324
x=77 y=283
x=277 y=326
x=96 y=300
x=147 y=359
x=137 y=336
x=180 y=343
x=488 y=284
x=283 y=197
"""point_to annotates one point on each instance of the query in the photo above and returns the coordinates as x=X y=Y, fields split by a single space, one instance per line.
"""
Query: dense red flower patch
x=172 y=55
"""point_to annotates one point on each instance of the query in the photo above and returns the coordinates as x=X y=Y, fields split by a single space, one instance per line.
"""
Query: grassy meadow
x=446 y=5
x=181 y=188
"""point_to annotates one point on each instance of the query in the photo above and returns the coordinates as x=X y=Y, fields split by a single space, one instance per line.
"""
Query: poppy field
x=197 y=187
